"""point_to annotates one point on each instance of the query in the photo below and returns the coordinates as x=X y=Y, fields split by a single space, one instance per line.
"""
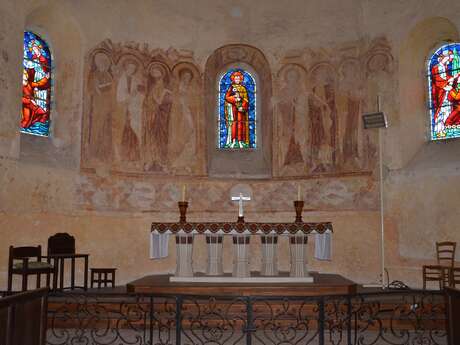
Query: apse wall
x=327 y=60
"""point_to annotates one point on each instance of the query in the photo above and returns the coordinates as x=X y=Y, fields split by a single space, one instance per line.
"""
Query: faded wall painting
x=142 y=111
x=319 y=99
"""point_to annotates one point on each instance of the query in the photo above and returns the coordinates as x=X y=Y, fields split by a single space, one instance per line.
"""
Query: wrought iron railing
x=394 y=317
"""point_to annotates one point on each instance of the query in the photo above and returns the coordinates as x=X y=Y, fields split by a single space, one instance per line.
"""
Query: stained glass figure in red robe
x=237 y=110
x=443 y=79
x=31 y=111
x=36 y=86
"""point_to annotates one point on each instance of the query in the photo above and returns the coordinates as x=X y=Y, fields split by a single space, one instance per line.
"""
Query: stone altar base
x=255 y=277
x=322 y=285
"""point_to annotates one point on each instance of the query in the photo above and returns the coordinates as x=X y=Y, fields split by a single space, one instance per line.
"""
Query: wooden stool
x=102 y=280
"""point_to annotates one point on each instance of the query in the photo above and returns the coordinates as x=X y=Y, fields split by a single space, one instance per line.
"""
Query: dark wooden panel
x=453 y=315
x=23 y=318
x=3 y=324
x=28 y=323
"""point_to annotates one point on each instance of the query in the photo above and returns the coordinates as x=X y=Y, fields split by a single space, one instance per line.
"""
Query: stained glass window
x=444 y=92
x=237 y=110
x=36 y=86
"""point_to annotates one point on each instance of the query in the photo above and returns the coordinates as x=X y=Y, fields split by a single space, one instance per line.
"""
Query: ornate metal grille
x=393 y=317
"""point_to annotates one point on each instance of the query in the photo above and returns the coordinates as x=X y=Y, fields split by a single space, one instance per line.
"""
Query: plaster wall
x=109 y=213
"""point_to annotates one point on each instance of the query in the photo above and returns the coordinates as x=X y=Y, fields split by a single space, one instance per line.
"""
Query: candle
x=183 y=192
x=298 y=192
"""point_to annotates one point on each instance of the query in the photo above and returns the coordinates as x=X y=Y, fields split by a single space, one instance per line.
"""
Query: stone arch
x=419 y=45
x=256 y=163
x=57 y=25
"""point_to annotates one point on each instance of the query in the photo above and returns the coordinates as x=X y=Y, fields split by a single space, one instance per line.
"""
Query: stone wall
x=328 y=61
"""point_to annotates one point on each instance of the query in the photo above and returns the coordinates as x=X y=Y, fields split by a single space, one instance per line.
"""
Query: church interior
x=191 y=147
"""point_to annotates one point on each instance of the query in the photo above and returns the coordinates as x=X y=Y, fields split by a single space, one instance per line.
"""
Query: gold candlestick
x=298 y=205
x=183 y=211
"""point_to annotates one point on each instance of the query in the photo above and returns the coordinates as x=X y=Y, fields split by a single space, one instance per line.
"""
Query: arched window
x=237 y=110
x=36 y=86
x=444 y=92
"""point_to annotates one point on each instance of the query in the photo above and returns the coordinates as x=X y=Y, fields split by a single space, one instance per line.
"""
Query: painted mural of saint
x=155 y=120
x=292 y=108
x=351 y=100
x=127 y=120
x=183 y=124
x=101 y=89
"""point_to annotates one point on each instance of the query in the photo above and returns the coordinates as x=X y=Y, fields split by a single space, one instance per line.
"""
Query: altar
x=242 y=234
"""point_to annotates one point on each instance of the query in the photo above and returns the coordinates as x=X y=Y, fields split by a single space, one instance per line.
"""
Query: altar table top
x=323 y=285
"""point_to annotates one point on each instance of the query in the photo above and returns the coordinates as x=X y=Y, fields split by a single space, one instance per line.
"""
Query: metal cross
x=240 y=200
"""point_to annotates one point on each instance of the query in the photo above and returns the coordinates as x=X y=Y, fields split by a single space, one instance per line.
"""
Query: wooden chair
x=435 y=273
x=27 y=261
x=445 y=252
x=445 y=256
x=454 y=277
x=61 y=243
x=61 y=246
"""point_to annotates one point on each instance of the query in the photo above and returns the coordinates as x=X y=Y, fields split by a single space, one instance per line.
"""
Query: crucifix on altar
x=240 y=200
x=242 y=234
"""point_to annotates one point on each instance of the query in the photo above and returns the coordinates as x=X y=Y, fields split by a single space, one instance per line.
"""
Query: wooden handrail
x=21 y=297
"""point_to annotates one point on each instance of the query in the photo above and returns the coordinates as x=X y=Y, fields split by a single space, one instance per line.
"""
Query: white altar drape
x=323 y=249
x=158 y=245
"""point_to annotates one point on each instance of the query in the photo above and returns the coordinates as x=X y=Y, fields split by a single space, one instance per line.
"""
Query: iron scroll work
x=241 y=227
x=383 y=318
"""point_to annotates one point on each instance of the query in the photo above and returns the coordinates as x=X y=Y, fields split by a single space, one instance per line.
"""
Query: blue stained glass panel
x=444 y=92
x=237 y=110
x=36 y=86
